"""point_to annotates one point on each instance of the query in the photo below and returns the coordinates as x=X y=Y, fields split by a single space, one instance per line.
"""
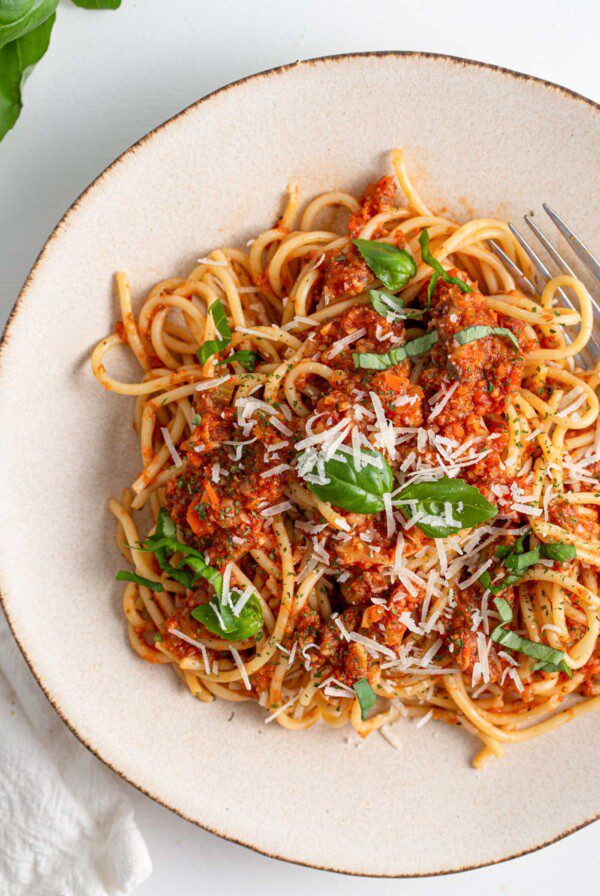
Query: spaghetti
x=370 y=474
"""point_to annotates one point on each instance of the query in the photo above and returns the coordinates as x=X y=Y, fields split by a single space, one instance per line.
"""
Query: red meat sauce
x=223 y=518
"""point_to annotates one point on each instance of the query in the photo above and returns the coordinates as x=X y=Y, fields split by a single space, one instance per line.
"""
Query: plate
x=478 y=140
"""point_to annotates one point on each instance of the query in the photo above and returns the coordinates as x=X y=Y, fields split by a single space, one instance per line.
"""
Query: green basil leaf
x=359 y=491
x=244 y=357
x=472 y=334
x=393 y=266
x=212 y=346
x=418 y=346
x=221 y=620
x=165 y=525
x=558 y=550
x=17 y=58
x=366 y=696
x=553 y=667
x=431 y=288
x=203 y=571
x=504 y=609
x=519 y=563
x=125 y=575
x=429 y=259
x=98 y=4
x=19 y=17
x=391 y=306
x=430 y=498
x=485 y=580
x=541 y=652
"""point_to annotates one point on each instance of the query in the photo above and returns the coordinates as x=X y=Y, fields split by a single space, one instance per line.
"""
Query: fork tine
x=537 y=261
x=523 y=281
x=553 y=254
x=580 y=250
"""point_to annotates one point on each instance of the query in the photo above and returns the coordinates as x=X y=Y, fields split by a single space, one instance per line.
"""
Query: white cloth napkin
x=66 y=821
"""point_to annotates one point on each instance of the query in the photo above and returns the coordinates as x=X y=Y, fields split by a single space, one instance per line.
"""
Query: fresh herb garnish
x=366 y=696
x=429 y=259
x=548 y=658
x=193 y=567
x=245 y=357
x=391 y=306
x=418 y=346
x=25 y=28
x=517 y=560
x=393 y=266
x=558 y=550
x=221 y=620
x=359 y=491
x=124 y=575
x=212 y=346
x=472 y=334
x=468 y=507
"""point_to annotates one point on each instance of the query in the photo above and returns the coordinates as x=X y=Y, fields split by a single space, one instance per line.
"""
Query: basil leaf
x=19 y=17
x=244 y=357
x=389 y=305
x=519 y=563
x=430 y=289
x=203 y=571
x=359 y=491
x=124 y=575
x=372 y=361
x=558 y=550
x=553 y=667
x=212 y=346
x=221 y=620
x=393 y=266
x=366 y=696
x=165 y=525
x=98 y=4
x=472 y=334
x=17 y=58
x=429 y=259
x=430 y=497
x=504 y=609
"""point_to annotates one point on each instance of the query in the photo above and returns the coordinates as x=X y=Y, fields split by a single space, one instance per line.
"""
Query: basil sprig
x=25 y=28
x=212 y=346
x=124 y=575
x=217 y=616
x=472 y=334
x=393 y=266
x=548 y=658
x=366 y=696
x=222 y=621
x=246 y=358
x=373 y=361
x=359 y=491
x=429 y=259
x=391 y=306
x=517 y=560
x=468 y=506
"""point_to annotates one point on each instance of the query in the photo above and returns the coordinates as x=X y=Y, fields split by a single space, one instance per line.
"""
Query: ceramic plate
x=478 y=141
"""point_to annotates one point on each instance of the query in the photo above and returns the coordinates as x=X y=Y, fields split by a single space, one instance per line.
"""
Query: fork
x=592 y=350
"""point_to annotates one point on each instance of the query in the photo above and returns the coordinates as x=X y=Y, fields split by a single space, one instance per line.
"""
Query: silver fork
x=592 y=351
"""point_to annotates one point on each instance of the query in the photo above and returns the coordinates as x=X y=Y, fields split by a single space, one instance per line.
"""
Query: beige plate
x=478 y=139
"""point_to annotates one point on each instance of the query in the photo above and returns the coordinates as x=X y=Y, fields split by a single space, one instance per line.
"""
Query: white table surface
x=108 y=78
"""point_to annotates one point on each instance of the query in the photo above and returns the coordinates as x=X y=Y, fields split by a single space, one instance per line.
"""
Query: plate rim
x=4 y=339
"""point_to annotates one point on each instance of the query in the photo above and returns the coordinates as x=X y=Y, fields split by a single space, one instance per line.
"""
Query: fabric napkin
x=66 y=821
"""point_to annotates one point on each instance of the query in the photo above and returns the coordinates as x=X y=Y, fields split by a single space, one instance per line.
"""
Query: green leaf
x=125 y=575
x=246 y=358
x=504 y=609
x=391 y=306
x=366 y=696
x=98 y=4
x=212 y=346
x=549 y=656
x=472 y=334
x=17 y=59
x=431 y=288
x=359 y=491
x=418 y=346
x=468 y=506
x=222 y=621
x=393 y=266
x=429 y=259
x=558 y=550
x=19 y=17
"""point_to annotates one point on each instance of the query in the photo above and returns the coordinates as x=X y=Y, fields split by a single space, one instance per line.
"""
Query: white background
x=108 y=78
